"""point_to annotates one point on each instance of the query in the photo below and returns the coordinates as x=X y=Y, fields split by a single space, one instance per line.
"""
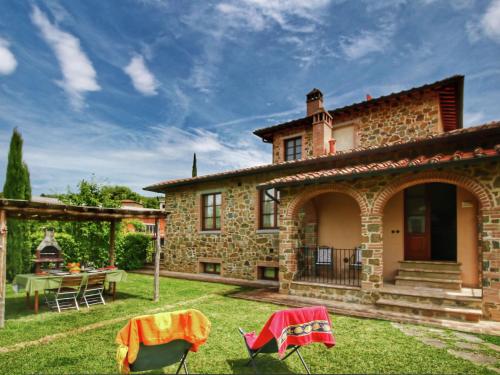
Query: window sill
x=268 y=231
x=210 y=232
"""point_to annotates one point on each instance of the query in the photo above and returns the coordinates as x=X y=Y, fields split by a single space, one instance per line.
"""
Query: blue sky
x=125 y=91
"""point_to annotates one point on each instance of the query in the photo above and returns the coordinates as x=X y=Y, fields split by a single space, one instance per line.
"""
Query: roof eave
x=353 y=176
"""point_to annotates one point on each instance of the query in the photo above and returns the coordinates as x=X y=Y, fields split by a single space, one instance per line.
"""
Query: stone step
x=430 y=310
x=430 y=296
x=428 y=282
x=431 y=274
x=429 y=265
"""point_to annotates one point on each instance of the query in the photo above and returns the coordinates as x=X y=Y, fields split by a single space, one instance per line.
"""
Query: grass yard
x=83 y=342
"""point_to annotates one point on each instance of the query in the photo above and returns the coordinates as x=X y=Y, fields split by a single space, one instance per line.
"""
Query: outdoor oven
x=48 y=252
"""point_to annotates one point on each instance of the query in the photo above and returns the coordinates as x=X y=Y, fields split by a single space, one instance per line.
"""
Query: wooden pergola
x=29 y=210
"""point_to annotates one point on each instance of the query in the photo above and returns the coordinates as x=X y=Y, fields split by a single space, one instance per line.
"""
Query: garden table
x=33 y=284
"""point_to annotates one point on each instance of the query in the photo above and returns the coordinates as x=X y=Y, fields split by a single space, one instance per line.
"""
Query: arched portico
x=320 y=235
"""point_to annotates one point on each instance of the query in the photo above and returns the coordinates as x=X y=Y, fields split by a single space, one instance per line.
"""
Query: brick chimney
x=314 y=102
x=322 y=123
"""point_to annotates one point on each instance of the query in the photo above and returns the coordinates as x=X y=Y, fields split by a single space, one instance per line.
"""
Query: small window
x=269 y=209
x=213 y=268
x=211 y=211
x=150 y=228
x=293 y=149
x=268 y=273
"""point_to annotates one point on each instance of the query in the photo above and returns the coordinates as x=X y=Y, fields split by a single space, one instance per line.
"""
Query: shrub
x=131 y=251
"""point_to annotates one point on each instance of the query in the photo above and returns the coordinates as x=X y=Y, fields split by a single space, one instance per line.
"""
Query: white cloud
x=142 y=79
x=78 y=71
x=488 y=25
x=257 y=15
x=8 y=62
x=231 y=20
x=367 y=42
x=491 y=21
x=118 y=155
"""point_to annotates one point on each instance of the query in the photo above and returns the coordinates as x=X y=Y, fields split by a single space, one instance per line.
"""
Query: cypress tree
x=194 y=171
x=17 y=186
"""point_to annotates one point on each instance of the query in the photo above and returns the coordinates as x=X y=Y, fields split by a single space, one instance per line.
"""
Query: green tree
x=194 y=171
x=17 y=186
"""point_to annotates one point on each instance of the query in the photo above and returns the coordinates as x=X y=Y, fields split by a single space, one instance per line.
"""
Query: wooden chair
x=64 y=297
x=93 y=290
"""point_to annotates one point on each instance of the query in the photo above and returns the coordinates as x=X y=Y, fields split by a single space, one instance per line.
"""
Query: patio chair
x=64 y=296
x=151 y=342
x=290 y=330
x=93 y=290
x=355 y=259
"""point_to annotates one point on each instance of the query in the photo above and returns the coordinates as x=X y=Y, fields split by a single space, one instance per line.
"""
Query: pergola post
x=112 y=237
x=3 y=265
x=156 y=296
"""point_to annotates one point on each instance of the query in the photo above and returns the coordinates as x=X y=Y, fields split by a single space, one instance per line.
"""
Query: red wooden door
x=417 y=224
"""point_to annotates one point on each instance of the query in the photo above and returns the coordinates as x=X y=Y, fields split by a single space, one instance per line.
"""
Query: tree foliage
x=194 y=171
x=17 y=186
x=86 y=242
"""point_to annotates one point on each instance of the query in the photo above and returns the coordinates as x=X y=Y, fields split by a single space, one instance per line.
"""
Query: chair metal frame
x=270 y=347
x=161 y=347
x=65 y=296
x=93 y=294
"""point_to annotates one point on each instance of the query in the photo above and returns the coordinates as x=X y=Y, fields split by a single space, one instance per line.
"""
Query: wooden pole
x=112 y=236
x=156 y=296
x=3 y=265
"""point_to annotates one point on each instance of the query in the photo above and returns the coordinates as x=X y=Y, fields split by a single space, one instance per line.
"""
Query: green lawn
x=363 y=346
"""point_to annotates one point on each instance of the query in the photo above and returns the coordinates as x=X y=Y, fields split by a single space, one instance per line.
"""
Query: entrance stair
x=429 y=274
x=463 y=305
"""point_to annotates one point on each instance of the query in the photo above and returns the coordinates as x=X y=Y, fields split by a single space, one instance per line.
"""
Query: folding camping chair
x=293 y=328
x=64 y=297
x=270 y=347
x=151 y=342
x=93 y=289
x=159 y=356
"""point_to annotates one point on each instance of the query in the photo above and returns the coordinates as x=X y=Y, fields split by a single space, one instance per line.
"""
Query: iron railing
x=329 y=265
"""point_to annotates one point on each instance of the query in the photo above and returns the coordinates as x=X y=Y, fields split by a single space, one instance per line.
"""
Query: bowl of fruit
x=73 y=267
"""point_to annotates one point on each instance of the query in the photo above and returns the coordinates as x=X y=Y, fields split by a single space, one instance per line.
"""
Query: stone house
x=389 y=202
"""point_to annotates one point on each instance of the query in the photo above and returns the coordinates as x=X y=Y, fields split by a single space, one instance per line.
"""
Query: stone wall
x=401 y=119
x=240 y=247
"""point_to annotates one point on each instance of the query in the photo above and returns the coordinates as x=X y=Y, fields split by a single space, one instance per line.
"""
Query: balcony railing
x=327 y=265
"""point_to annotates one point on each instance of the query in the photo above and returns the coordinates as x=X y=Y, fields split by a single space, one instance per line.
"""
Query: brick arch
x=312 y=192
x=479 y=191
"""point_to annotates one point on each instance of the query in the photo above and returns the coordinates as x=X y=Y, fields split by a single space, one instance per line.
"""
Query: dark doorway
x=431 y=222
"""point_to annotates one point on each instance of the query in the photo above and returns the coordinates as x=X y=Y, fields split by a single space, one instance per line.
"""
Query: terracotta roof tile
x=420 y=161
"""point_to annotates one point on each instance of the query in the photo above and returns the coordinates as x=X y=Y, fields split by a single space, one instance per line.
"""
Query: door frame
x=427 y=225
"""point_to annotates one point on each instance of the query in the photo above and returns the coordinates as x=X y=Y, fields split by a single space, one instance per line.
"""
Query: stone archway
x=291 y=204
x=312 y=192
x=478 y=190
x=487 y=233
